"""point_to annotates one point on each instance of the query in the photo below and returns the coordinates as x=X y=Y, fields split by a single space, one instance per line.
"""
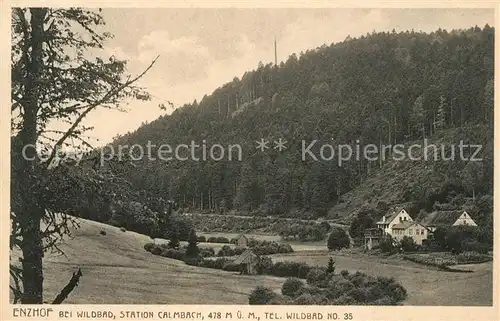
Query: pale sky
x=201 y=49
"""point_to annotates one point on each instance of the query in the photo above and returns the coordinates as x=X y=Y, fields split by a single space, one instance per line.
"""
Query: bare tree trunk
x=31 y=211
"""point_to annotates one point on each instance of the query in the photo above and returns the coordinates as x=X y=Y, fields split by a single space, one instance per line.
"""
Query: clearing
x=117 y=270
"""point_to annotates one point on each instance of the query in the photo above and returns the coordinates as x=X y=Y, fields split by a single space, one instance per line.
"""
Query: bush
x=265 y=265
x=172 y=254
x=338 y=239
x=344 y=273
x=291 y=287
x=474 y=246
x=149 y=246
x=261 y=295
x=290 y=269
x=217 y=239
x=201 y=239
x=386 y=245
x=408 y=244
x=192 y=249
x=304 y=299
x=102 y=232
x=472 y=257
x=207 y=251
x=195 y=261
x=123 y=229
x=316 y=276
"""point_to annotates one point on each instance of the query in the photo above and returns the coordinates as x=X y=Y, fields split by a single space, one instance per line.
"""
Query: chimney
x=383 y=219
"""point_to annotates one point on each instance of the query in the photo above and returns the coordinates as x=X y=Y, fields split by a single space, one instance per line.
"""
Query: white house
x=446 y=219
x=411 y=229
x=395 y=216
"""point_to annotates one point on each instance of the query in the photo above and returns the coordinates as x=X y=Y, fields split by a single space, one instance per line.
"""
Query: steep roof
x=242 y=235
x=441 y=218
x=390 y=215
x=246 y=257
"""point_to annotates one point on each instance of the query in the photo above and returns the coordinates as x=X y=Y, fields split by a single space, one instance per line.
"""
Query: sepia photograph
x=251 y=156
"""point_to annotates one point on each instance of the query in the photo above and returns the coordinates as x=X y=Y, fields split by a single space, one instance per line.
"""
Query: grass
x=425 y=286
x=117 y=270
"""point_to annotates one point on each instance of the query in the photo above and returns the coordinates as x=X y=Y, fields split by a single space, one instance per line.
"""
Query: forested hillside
x=383 y=88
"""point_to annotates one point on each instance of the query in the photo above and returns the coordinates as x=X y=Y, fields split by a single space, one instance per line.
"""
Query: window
x=400 y=220
x=411 y=231
x=417 y=231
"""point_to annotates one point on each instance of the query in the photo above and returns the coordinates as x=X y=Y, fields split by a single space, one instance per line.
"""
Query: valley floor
x=117 y=270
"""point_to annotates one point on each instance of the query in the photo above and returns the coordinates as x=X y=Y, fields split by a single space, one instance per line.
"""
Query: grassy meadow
x=117 y=270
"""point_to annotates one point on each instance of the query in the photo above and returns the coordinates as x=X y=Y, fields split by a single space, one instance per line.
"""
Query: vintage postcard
x=256 y=161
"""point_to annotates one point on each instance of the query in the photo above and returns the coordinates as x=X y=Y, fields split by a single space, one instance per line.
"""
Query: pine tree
x=331 y=266
x=192 y=248
x=174 y=241
x=440 y=122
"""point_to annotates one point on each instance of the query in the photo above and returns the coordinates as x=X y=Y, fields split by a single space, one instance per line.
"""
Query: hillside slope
x=117 y=270
x=421 y=185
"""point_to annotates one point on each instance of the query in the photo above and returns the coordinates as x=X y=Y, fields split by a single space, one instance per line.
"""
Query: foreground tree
x=54 y=78
x=338 y=239
x=192 y=249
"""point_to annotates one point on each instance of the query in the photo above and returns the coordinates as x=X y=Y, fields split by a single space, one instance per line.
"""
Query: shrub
x=344 y=273
x=304 y=299
x=207 y=251
x=316 y=276
x=291 y=287
x=474 y=246
x=192 y=249
x=172 y=254
x=195 y=261
x=102 y=232
x=123 y=229
x=149 y=246
x=290 y=269
x=336 y=289
x=338 y=239
x=201 y=239
x=408 y=244
x=265 y=265
x=156 y=250
x=386 y=245
x=261 y=295
x=331 y=266
x=472 y=257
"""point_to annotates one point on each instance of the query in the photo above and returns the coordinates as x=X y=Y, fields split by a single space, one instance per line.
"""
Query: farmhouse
x=242 y=241
x=446 y=219
x=411 y=229
x=397 y=215
x=248 y=261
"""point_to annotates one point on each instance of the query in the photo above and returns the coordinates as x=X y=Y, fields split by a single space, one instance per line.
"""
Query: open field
x=425 y=286
x=117 y=270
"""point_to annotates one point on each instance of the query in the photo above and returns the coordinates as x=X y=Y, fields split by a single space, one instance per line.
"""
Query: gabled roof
x=243 y=235
x=390 y=215
x=246 y=257
x=403 y=226
x=441 y=218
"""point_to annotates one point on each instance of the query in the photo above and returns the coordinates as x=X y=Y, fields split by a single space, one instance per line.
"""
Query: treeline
x=382 y=88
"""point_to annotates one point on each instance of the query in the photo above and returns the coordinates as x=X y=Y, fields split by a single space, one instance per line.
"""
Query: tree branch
x=69 y=287
x=94 y=105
